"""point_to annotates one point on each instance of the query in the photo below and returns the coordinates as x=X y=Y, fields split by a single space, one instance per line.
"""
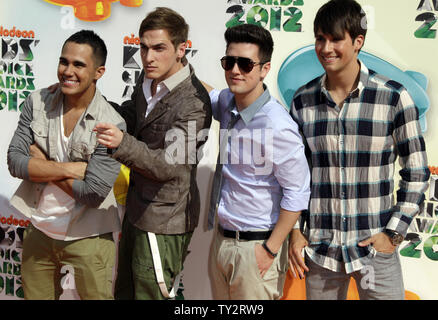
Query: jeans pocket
x=384 y=255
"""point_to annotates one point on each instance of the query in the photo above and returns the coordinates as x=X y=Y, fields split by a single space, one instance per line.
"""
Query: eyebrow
x=156 y=45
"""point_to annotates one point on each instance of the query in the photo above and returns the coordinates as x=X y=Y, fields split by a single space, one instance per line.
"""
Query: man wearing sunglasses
x=261 y=182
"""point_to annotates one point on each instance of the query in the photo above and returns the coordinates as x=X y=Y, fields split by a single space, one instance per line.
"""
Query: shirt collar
x=363 y=79
x=249 y=112
x=174 y=80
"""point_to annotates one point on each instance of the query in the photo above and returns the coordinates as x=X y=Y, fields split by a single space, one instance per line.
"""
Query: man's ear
x=99 y=72
x=265 y=69
x=358 y=42
x=181 y=50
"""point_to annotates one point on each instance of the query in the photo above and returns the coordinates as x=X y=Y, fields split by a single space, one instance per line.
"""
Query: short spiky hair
x=169 y=20
x=94 y=41
x=251 y=33
x=337 y=16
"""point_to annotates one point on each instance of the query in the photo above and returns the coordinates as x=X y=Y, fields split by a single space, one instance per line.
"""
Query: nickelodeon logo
x=16 y=33
x=93 y=10
x=433 y=170
x=14 y=221
x=136 y=41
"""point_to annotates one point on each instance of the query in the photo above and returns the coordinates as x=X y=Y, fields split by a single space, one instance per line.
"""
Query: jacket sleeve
x=181 y=145
x=18 y=152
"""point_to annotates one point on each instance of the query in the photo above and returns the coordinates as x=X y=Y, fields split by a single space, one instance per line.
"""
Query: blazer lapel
x=160 y=108
x=169 y=101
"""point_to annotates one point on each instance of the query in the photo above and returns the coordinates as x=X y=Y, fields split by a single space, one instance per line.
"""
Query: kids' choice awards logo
x=11 y=239
x=429 y=17
x=93 y=10
x=16 y=67
x=422 y=237
x=274 y=15
x=132 y=62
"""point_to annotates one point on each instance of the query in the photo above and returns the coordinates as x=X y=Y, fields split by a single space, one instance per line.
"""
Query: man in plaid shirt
x=355 y=124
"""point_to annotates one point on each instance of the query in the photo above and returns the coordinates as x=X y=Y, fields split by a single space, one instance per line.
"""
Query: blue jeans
x=381 y=280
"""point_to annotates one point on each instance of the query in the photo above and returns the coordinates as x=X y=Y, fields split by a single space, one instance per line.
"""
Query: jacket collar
x=92 y=109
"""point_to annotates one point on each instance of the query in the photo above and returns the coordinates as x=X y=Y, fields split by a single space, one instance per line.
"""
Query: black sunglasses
x=244 y=64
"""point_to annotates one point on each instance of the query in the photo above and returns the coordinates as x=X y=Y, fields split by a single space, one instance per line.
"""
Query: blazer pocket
x=163 y=194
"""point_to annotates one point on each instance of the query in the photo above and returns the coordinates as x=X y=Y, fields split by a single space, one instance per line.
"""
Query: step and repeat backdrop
x=401 y=43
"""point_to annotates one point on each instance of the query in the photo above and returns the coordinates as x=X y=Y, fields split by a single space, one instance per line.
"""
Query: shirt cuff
x=399 y=223
x=297 y=202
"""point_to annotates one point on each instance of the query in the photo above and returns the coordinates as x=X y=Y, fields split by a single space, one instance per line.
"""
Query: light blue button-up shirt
x=264 y=167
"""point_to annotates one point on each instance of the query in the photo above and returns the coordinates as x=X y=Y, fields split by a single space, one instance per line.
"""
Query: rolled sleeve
x=291 y=169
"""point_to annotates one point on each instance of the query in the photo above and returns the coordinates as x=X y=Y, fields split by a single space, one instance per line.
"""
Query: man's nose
x=68 y=69
x=328 y=46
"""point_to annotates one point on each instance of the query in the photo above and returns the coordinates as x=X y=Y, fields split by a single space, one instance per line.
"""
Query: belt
x=245 y=235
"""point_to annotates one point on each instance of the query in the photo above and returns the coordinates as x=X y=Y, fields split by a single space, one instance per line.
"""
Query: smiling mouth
x=236 y=79
x=69 y=83
x=329 y=59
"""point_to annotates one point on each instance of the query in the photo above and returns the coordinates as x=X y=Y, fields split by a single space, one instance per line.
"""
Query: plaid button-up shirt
x=352 y=152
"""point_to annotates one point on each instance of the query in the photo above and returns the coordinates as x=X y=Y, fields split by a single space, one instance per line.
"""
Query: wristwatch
x=395 y=237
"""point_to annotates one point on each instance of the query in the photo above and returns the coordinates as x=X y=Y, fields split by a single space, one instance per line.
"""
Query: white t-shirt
x=53 y=214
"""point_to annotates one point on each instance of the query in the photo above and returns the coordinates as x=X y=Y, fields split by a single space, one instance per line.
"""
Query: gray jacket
x=163 y=198
x=95 y=211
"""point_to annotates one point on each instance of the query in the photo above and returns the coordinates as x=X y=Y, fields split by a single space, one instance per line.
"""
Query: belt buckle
x=237 y=235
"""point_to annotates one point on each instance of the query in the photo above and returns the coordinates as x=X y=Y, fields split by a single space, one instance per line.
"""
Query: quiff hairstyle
x=169 y=20
x=251 y=33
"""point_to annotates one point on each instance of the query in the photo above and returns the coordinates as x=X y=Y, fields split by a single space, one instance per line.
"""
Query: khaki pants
x=43 y=257
x=235 y=274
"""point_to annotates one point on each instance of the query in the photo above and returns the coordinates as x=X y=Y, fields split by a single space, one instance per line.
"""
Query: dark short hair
x=337 y=16
x=94 y=41
x=251 y=33
x=169 y=20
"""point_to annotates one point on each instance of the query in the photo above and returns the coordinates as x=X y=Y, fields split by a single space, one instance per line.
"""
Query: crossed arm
x=87 y=182
x=62 y=174
x=27 y=161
